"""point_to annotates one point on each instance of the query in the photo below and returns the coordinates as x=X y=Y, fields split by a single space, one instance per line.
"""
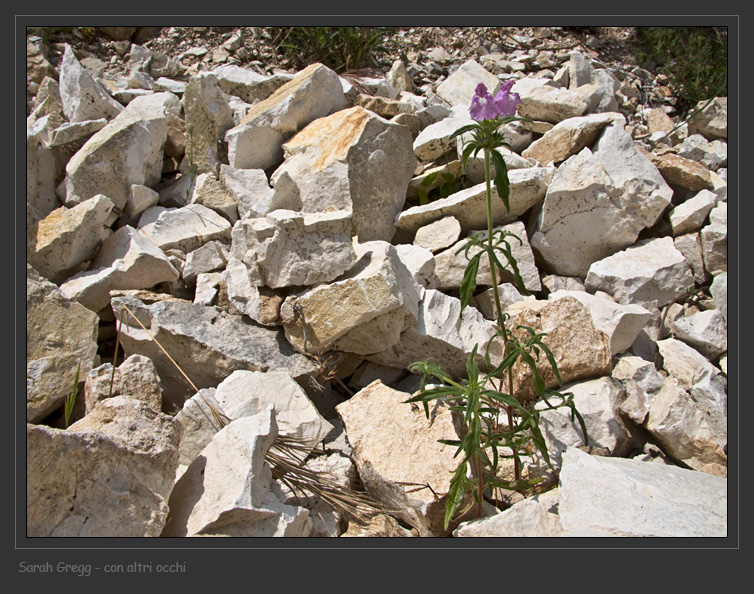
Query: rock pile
x=255 y=244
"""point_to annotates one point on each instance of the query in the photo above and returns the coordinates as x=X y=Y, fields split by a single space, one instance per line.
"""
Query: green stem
x=498 y=307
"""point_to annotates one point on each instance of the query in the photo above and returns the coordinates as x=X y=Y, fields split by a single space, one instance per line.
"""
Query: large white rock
x=250 y=189
x=597 y=204
x=531 y=517
x=186 y=228
x=469 y=206
x=622 y=323
x=719 y=291
x=256 y=142
x=706 y=331
x=652 y=270
x=60 y=334
x=125 y=152
x=353 y=160
x=688 y=430
x=205 y=342
x=246 y=393
x=616 y=497
x=228 y=489
x=434 y=140
x=396 y=449
x=83 y=97
x=108 y=475
x=376 y=301
x=288 y=248
x=69 y=237
x=691 y=214
x=459 y=87
x=545 y=102
x=683 y=362
x=208 y=117
x=126 y=260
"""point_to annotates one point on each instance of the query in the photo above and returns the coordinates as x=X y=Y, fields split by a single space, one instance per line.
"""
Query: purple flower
x=486 y=107
x=506 y=101
x=483 y=104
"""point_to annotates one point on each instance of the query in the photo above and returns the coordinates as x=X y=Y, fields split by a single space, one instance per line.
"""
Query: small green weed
x=695 y=60
x=340 y=48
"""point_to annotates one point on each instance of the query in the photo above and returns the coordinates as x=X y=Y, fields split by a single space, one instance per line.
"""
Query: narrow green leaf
x=468 y=284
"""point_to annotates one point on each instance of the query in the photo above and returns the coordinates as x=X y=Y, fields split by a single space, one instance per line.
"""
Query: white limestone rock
x=650 y=270
x=528 y=518
x=469 y=206
x=288 y=248
x=228 y=489
x=442 y=334
x=69 y=237
x=598 y=401
x=570 y=136
x=459 y=87
x=205 y=342
x=438 y=235
x=208 y=117
x=688 y=430
x=125 y=152
x=377 y=300
x=715 y=240
x=719 y=290
x=126 y=260
x=108 y=475
x=706 y=331
x=250 y=189
x=135 y=378
x=83 y=97
x=615 y=497
x=450 y=266
x=597 y=204
x=186 y=228
x=353 y=160
x=691 y=214
x=544 y=102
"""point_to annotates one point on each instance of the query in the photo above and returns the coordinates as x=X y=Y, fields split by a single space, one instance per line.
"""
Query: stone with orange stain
x=351 y=160
x=256 y=142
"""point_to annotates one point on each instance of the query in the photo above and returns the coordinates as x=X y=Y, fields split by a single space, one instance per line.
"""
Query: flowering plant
x=482 y=397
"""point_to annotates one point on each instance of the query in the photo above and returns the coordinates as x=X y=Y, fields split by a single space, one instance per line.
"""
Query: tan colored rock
x=59 y=334
x=396 y=450
x=107 y=475
x=658 y=121
x=581 y=351
x=683 y=172
x=377 y=301
x=68 y=237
